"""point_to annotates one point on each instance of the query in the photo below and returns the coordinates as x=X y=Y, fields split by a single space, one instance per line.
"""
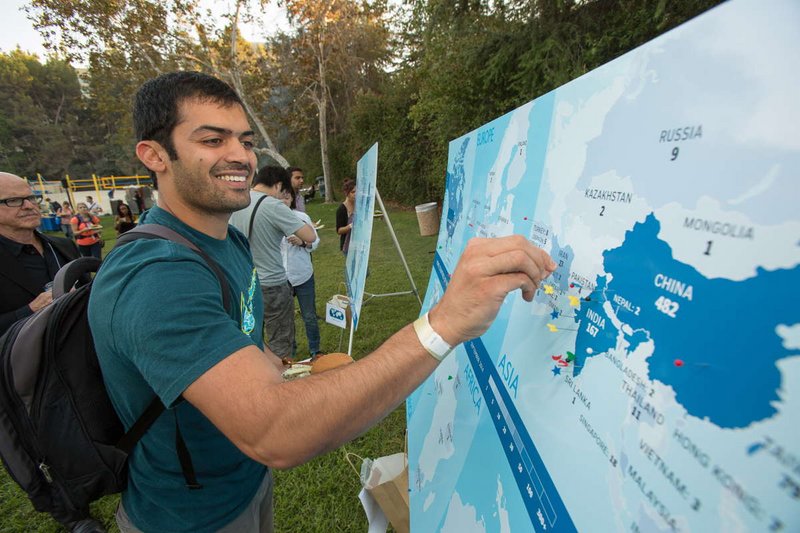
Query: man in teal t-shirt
x=144 y=328
x=160 y=329
x=158 y=322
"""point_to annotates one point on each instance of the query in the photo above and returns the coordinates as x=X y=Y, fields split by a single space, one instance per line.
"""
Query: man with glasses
x=265 y=222
x=28 y=259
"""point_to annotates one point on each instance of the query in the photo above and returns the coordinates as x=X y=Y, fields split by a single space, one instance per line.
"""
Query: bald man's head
x=6 y=178
x=21 y=219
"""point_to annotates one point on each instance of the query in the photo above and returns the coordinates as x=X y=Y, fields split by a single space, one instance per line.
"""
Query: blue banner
x=361 y=234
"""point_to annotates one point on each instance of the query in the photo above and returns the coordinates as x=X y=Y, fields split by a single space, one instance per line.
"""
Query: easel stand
x=399 y=252
x=369 y=295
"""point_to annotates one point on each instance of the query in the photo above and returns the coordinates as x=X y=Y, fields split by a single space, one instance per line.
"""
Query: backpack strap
x=185 y=459
x=156 y=407
x=253 y=216
x=69 y=274
x=140 y=427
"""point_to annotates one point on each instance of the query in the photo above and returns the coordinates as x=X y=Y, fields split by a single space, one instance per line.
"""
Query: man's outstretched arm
x=283 y=424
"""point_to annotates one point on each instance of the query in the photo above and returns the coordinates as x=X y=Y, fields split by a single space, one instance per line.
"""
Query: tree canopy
x=346 y=74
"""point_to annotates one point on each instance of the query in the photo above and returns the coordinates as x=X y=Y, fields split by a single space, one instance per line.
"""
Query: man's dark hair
x=155 y=107
x=270 y=176
x=292 y=170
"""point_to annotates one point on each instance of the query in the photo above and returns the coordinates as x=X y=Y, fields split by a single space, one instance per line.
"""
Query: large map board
x=654 y=382
x=361 y=234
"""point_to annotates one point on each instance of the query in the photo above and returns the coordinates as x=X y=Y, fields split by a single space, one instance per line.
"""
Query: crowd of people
x=281 y=238
x=208 y=363
x=83 y=224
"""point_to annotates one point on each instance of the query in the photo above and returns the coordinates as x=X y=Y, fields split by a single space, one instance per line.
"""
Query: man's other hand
x=43 y=300
x=488 y=270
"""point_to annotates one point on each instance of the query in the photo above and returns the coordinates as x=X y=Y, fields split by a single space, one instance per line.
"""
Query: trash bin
x=428 y=218
x=321 y=186
x=50 y=223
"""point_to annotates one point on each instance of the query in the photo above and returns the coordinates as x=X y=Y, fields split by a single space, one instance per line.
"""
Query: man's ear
x=152 y=155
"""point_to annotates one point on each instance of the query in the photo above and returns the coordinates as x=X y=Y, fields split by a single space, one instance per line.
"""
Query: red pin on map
x=678 y=363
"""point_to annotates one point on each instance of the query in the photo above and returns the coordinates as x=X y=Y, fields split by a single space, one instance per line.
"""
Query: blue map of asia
x=717 y=350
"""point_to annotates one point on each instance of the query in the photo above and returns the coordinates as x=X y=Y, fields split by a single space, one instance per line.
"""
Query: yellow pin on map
x=548 y=289
x=574 y=301
x=552 y=328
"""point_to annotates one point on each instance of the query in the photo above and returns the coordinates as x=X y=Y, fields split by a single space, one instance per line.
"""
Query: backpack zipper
x=45 y=470
x=48 y=345
x=59 y=309
x=67 y=304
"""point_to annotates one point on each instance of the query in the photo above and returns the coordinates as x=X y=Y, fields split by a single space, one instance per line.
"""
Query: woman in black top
x=124 y=219
x=344 y=214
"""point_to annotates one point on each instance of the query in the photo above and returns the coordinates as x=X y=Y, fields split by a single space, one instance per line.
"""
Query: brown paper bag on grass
x=386 y=480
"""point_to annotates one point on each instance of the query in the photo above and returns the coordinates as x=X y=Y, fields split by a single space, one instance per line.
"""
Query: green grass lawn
x=321 y=495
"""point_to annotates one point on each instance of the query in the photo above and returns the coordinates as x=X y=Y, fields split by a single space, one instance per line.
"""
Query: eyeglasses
x=18 y=201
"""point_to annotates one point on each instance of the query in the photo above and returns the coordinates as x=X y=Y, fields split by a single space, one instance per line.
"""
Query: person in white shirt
x=300 y=271
x=94 y=207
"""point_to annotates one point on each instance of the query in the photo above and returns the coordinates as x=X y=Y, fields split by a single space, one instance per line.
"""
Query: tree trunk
x=274 y=154
x=322 y=106
x=270 y=150
x=323 y=147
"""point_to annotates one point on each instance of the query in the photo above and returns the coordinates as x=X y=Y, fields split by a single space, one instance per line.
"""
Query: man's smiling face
x=216 y=162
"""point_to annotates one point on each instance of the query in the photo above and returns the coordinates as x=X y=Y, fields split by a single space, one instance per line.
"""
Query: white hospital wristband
x=433 y=343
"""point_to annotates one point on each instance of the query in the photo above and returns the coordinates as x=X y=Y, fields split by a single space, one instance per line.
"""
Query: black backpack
x=60 y=438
